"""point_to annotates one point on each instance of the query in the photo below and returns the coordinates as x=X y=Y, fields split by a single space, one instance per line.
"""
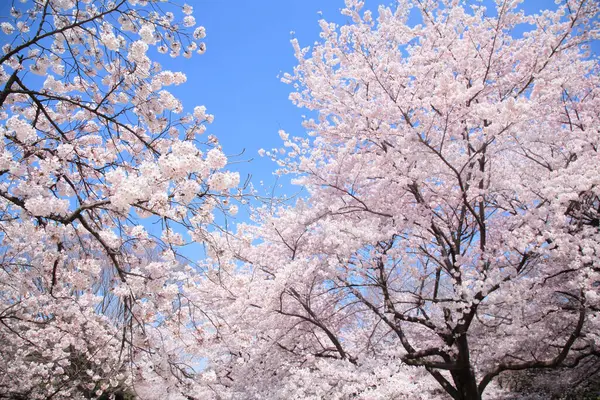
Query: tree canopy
x=448 y=245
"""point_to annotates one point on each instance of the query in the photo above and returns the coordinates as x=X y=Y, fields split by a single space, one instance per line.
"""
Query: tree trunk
x=464 y=376
x=466 y=385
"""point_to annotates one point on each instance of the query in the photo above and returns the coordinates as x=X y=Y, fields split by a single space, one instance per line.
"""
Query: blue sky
x=248 y=46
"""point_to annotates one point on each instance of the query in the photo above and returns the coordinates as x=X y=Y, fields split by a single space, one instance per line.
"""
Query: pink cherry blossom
x=449 y=242
x=93 y=301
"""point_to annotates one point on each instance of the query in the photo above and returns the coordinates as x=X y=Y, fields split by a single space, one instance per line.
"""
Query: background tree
x=452 y=223
x=92 y=145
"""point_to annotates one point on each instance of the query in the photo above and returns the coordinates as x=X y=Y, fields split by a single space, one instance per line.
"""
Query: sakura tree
x=452 y=219
x=103 y=180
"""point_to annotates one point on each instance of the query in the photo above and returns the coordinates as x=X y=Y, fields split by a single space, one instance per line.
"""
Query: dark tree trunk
x=466 y=385
x=464 y=377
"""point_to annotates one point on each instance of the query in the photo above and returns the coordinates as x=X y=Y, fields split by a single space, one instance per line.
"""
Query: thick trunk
x=466 y=385
x=464 y=377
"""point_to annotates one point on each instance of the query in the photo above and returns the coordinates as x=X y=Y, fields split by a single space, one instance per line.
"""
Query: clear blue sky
x=248 y=46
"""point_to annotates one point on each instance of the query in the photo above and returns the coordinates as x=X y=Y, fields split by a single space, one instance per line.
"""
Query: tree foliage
x=448 y=246
x=451 y=227
x=94 y=147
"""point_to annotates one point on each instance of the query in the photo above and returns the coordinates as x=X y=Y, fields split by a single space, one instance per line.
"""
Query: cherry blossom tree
x=451 y=226
x=103 y=180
